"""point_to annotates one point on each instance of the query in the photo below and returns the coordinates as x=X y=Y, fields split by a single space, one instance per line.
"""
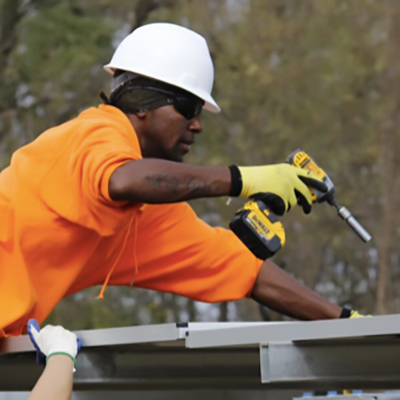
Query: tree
x=321 y=76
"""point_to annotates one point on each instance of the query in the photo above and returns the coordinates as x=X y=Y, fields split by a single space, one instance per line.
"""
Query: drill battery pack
x=259 y=229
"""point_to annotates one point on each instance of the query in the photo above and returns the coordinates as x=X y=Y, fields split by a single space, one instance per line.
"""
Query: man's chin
x=175 y=158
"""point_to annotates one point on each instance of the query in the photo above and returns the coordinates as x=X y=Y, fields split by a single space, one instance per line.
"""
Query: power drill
x=261 y=231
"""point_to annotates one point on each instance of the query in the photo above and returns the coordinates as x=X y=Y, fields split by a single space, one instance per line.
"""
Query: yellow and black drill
x=262 y=232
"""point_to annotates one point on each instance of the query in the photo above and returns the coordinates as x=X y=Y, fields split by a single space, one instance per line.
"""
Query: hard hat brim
x=209 y=103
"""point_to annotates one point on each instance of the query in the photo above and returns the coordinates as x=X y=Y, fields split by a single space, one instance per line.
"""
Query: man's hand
x=53 y=340
x=280 y=186
x=356 y=314
x=347 y=313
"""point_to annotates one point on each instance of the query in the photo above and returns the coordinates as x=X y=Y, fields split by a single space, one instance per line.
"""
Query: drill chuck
x=301 y=159
x=354 y=224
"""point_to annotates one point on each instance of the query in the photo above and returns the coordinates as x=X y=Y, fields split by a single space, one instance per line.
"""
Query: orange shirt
x=60 y=232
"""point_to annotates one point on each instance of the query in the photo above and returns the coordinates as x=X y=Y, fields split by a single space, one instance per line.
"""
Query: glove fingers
x=356 y=314
x=79 y=345
x=314 y=183
x=33 y=331
x=34 y=335
x=292 y=198
x=302 y=201
x=275 y=203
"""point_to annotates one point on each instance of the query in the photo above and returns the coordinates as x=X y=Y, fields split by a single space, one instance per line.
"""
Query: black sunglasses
x=186 y=104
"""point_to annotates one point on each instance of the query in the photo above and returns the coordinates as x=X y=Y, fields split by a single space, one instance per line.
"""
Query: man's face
x=167 y=134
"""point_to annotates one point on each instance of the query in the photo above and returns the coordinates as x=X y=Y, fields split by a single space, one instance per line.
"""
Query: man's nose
x=196 y=125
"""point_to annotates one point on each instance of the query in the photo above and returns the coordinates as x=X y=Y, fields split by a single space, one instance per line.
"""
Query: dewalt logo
x=260 y=224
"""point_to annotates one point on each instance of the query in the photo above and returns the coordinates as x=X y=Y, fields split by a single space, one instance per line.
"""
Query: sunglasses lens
x=188 y=107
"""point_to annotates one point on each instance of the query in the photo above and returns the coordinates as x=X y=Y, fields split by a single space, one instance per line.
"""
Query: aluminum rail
x=295 y=331
x=142 y=358
x=360 y=396
x=105 y=337
x=368 y=363
x=337 y=354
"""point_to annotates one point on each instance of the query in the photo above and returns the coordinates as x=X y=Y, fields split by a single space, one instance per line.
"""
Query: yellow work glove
x=346 y=313
x=356 y=314
x=279 y=186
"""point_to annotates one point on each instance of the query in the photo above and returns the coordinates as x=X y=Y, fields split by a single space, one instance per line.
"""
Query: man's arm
x=277 y=290
x=157 y=181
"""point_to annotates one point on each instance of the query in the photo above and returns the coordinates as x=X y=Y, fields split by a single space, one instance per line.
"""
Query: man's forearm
x=277 y=290
x=159 y=181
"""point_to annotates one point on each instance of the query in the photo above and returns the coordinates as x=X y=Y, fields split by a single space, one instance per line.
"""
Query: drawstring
x=133 y=220
x=135 y=263
x=4 y=334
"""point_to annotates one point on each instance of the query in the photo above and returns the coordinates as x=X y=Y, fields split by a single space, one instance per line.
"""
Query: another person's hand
x=53 y=340
x=280 y=186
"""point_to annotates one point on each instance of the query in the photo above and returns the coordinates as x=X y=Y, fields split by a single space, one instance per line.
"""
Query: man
x=101 y=198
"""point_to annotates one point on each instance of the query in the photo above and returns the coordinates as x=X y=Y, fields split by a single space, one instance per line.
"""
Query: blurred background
x=320 y=75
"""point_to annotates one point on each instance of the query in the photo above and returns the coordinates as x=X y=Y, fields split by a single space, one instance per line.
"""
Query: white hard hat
x=168 y=53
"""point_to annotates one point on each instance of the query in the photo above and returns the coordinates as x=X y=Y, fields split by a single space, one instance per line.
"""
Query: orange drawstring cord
x=133 y=220
x=135 y=263
x=4 y=334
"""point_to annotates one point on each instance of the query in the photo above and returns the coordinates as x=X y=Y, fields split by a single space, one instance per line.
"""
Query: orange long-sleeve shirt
x=60 y=232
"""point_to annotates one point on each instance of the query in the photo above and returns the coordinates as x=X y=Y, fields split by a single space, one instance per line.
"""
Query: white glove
x=53 y=340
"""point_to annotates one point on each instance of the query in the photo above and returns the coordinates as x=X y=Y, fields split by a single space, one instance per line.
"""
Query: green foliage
x=121 y=307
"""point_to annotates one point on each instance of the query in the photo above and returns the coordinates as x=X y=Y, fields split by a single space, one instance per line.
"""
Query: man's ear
x=141 y=114
x=137 y=120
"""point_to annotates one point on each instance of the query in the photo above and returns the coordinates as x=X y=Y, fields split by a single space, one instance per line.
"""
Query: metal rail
x=338 y=354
